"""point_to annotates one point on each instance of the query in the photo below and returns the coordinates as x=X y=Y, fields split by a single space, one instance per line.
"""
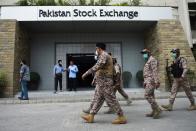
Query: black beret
x=101 y=45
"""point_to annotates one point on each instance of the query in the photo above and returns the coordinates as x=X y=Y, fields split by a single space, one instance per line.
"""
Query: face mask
x=145 y=56
x=96 y=53
x=60 y=64
x=174 y=55
x=95 y=57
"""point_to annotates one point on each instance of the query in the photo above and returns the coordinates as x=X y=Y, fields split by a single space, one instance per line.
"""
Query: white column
x=184 y=18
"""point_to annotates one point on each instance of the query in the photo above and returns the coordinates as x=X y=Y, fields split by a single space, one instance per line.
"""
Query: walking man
x=151 y=82
x=118 y=83
x=24 y=78
x=117 y=87
x=104 y=83
x=58 y=75
x=179 y=69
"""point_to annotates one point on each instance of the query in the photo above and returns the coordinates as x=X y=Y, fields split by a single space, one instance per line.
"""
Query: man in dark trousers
x=58 y=75
x=73 y=70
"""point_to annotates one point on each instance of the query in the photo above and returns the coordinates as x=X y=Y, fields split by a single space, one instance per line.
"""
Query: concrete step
x=79 y=96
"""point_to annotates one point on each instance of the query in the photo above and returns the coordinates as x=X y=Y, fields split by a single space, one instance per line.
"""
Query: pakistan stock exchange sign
x=87 y=13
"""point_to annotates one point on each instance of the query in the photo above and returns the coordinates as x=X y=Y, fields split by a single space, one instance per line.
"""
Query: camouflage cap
x=175 y=50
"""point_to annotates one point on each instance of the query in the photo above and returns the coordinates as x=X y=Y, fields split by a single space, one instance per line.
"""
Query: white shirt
x=73 y=69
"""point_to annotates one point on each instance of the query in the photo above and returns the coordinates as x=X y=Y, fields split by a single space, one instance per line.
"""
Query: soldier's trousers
x=105 y=92
x=150 y=96
x=93 y=100
x=177 y=83
x=121 y=91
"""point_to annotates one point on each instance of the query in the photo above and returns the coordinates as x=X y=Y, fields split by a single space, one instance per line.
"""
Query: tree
x=121 y=4
x=31 y=2
x=103 y=2
x=64 y=3
x=45 y=2
x=82 y=2
x=75 y=2
x=22 y=3
x=135 y=2
x=92 y=2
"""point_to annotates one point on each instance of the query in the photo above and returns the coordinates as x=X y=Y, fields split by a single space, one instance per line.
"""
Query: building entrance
x=84 y=62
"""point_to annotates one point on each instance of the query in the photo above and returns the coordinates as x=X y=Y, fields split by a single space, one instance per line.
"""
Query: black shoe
x=20 y=98
x=26 y=99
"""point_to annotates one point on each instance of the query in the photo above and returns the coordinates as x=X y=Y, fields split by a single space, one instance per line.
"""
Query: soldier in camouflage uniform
x=151 y=82
x=104 y=89
x=117 y=87
x=179 y=69
x=93 y=83
x=118 y=84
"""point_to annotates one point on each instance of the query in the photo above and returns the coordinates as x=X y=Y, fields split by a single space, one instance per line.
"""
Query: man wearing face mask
x=151 y=82
x=118 y=81
x=179 y=69
x=104 y=82
x=93 y=83
x=58 y=70
x=117 y=84
x=117 y=87
x=24 y=78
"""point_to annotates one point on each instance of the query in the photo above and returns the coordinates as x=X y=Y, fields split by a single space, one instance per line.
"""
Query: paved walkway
x=66 y=117
x=79 y=96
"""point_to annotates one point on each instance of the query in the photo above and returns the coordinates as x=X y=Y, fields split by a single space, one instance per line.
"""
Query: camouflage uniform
x=118 y=81
x=117 y=86
x=95 y=94
x=104 y=81
x=178 y=82
x=150 y=74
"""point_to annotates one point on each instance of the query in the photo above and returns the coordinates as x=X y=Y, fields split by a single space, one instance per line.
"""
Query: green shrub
x=22 y=3
x=3 y=80
x=3 y=83
x=126 y=77
x=35 y=77
x=139 y=77
x=34 y=81
x=192 y=78
x=76 y=2
x=135 y=2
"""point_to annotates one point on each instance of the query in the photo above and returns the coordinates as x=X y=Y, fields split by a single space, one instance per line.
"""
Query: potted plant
x=139 y=77
x=34 y=81
x=126 y=77
x=191 y=78
x=3 y=82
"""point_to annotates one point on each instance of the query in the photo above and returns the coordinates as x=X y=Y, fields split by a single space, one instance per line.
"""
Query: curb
x=65 y=100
